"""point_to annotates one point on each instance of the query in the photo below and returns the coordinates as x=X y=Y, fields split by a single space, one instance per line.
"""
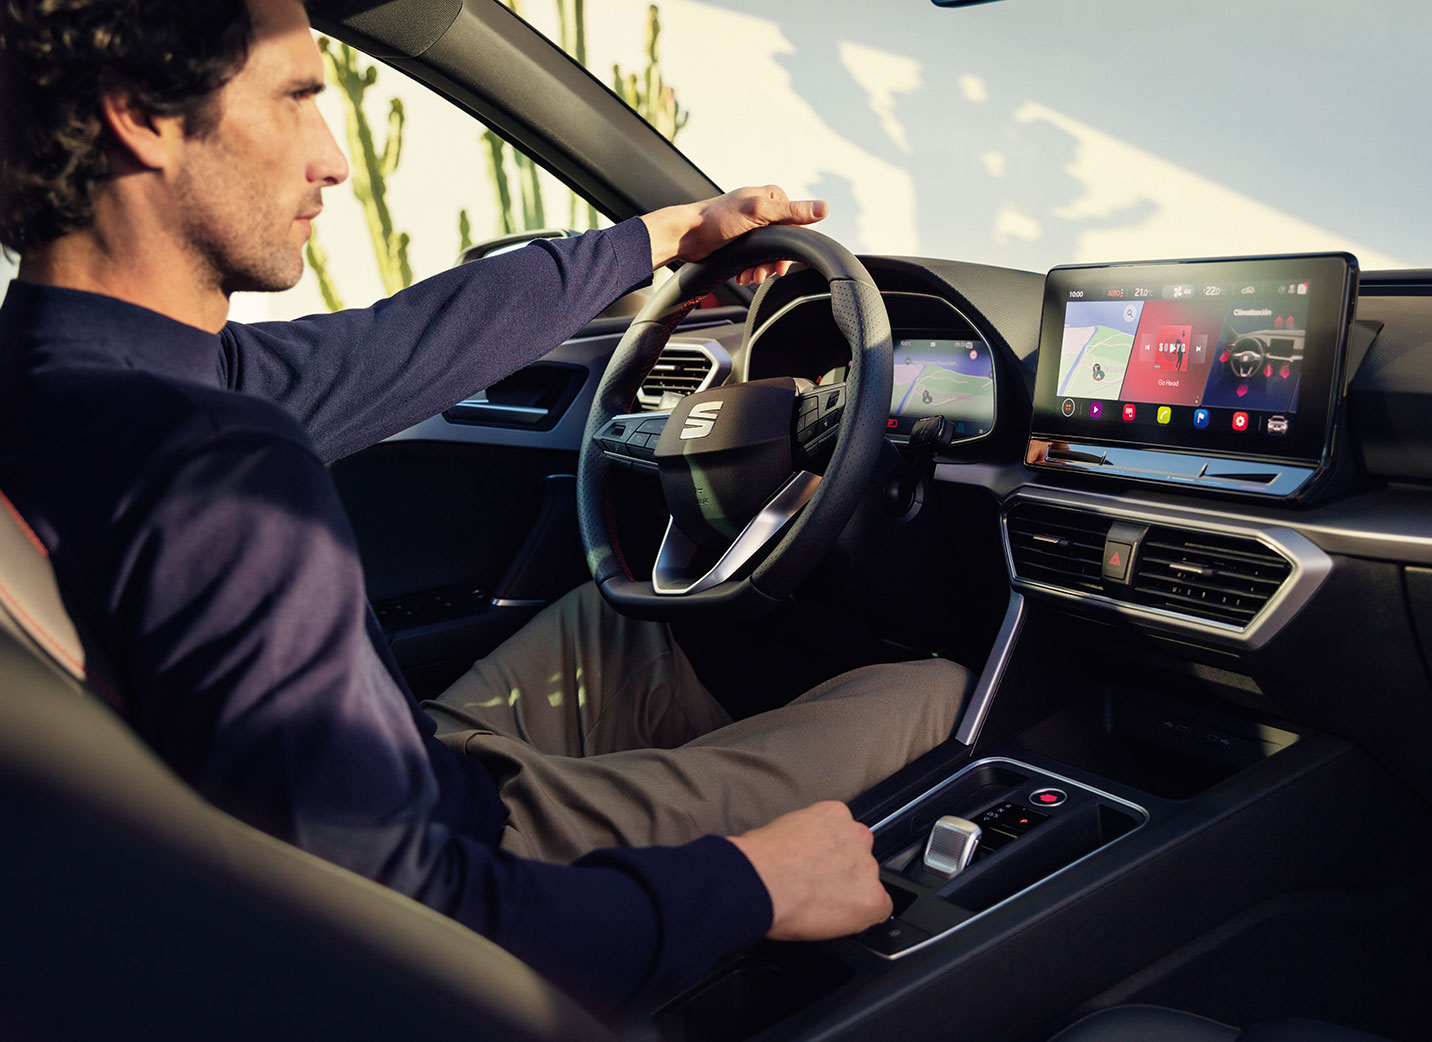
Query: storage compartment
x=750 y=995
x=1163 y=746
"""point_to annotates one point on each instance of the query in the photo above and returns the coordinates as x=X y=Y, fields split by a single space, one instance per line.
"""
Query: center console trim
x=1139 y=812
x=973 y=718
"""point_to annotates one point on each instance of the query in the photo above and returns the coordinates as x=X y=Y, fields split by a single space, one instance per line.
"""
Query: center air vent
x=1058 y=546
x=680 y=371
x=1221 y=578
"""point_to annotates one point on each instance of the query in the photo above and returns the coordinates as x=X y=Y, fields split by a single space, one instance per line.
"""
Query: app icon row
x=1163 y=414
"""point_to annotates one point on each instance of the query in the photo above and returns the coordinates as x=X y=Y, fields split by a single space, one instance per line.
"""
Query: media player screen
x=1211 y=356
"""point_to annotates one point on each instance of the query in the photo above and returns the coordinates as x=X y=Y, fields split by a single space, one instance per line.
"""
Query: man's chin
x=269 y=280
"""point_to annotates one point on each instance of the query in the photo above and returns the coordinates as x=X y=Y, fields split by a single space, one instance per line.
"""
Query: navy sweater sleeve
x=245 y=625
x=355 y=377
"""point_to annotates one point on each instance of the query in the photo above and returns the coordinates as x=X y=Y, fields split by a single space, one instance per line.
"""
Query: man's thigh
x=581 y=679
x=832 y=743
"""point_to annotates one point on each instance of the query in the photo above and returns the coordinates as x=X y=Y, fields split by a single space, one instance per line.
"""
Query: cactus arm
x=464 y=232
x=318 y=261
x=497 y=173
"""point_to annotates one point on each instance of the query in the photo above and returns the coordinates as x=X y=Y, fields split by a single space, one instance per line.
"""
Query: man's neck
x=134 y=266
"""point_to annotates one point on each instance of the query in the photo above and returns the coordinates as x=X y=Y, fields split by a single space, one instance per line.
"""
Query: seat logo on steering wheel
x=701 y=420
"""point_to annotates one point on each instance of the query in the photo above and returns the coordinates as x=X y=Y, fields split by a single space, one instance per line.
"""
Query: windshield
x=1031 y=133
x=1022 y=133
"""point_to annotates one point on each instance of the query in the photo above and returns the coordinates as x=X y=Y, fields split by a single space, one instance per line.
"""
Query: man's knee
x=935 y=679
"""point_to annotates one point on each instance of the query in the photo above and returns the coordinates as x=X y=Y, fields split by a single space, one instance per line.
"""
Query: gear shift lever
x=952 y=843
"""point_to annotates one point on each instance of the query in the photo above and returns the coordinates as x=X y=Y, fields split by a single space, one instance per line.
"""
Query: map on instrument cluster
x=1098 y=340
x=950 y=378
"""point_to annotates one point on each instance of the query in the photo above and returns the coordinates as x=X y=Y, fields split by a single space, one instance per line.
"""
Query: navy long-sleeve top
x=177 y=478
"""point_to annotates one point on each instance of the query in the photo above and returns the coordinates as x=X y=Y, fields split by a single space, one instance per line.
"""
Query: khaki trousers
x=599 y=734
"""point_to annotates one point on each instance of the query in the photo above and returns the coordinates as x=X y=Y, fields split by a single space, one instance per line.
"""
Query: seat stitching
x=24 y=526
x=35 y=630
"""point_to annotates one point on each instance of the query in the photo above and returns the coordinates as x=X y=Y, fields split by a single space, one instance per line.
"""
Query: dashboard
x=1235 y=548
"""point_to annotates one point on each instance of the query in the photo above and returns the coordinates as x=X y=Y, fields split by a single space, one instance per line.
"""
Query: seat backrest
x=131 y=908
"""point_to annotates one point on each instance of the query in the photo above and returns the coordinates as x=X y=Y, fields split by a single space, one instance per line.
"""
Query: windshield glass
x=1030 y=133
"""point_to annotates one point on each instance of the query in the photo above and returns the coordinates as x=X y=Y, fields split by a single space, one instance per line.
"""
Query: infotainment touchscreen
x=1235 y=358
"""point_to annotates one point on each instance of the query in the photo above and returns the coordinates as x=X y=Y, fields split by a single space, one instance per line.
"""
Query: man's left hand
x=695 y=230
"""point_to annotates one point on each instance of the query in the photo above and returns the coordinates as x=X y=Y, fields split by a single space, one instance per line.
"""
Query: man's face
x=248 y=190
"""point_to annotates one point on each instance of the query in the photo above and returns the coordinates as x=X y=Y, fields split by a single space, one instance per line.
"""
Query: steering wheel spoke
x=671 y=576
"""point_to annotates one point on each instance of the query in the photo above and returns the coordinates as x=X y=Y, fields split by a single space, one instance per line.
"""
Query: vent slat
x=1220 y=553
x=1223 y=574
x=679 y=370
x=1226 y=579
x=1216 y=577
x=1074 y=558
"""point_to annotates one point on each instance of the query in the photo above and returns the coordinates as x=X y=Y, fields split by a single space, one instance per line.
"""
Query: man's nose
x=328 y=165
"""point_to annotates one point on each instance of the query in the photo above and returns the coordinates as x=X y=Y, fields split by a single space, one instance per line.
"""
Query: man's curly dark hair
x=57 y=56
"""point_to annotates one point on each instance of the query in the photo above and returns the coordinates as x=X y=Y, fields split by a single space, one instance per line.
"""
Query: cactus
x=372 y=167
x=572 y=29
x=648 y=94
x=572 y=34
x=318 y=261
x=529 y=189
x=497 y=174
x=464 y=232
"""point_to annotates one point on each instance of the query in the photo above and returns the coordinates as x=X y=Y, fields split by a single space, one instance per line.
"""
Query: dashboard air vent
x=1058 y=546
x=679 y=371
x=1221 y=578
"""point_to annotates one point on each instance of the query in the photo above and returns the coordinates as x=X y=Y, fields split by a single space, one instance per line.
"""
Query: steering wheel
x=745 y=466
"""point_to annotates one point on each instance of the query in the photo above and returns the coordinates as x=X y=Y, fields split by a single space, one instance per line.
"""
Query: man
x=153 y=164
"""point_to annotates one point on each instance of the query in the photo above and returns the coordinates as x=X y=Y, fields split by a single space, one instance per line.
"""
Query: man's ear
x=151 y=142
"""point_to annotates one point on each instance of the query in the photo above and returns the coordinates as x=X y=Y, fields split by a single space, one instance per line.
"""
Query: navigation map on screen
x=950 y=378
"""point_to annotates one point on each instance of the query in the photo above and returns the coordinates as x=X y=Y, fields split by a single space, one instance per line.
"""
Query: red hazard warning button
x=1116 y=560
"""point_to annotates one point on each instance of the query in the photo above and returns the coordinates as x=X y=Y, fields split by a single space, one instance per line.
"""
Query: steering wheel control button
x=817 y=414
x=1048 y=797
x=629 y=441
x=892 y=936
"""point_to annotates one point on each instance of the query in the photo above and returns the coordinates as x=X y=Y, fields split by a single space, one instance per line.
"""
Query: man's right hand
x=818 y=869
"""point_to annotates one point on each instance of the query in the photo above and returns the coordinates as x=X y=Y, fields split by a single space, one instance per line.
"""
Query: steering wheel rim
x=859 y=314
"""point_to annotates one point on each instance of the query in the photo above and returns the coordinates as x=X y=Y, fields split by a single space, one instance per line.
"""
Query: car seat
x=131 y=908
